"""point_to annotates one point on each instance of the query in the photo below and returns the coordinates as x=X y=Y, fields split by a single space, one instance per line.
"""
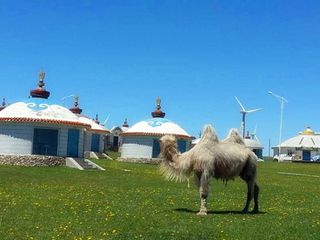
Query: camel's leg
x=248 y=174
x=250 y=185
x=255 y=197
x=204 y=190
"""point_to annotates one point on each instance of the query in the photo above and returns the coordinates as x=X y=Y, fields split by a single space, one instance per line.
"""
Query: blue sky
x=119 y=56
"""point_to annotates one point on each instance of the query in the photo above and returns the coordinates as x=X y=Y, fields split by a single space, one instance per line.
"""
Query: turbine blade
x=253 y=110
x=242 y=108
x=71 y=95
x=255 y=129
x=106 y=120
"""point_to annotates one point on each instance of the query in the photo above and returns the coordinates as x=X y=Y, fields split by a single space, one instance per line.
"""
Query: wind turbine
x=282 y=102
x=106 y=120
x=254 y=134
x=65 y=97
x=243 y=111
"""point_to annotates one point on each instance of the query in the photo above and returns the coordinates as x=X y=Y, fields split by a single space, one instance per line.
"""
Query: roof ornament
x=76 y=101
x=76 y=108
x=125 y=123
x=158 y=101
x=97 y=119
x=3 y=106
x=158 y=113
x=42 y=75
x=308 y=131
x=40 y=92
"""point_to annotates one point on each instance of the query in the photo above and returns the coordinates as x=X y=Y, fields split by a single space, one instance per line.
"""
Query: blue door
x=95 y=142
x=182 y=146
x=306 y=155
x=155 y=148
x=115 y=141
x=258 y=152
x=73 y=143
x=45 y=142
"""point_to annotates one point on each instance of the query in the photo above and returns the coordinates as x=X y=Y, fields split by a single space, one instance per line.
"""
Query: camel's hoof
x=254 y=211
x=244 y=211
x=202 y=213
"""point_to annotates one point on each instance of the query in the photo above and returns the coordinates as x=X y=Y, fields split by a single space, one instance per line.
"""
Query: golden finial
x=42 y=74
x=40 y=92
x=97 y=119
x=158 y=112
x=158 y=101
x=76 y=101
x=125 y=123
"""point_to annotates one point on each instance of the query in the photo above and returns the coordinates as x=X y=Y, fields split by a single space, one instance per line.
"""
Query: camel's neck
x=175 y=165
x=171 y=154
x=180 y=162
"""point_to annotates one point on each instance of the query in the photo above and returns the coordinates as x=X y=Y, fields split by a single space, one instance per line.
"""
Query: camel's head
x=167 y=140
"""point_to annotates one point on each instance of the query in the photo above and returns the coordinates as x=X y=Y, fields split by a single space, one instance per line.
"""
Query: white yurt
x=114 y=139
x=95 y=136
x=141 y=141
x=301 y=147
x=37 y=126
x=254 y=145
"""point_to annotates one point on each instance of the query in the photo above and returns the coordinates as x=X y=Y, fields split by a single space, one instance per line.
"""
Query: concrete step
x=83 y=164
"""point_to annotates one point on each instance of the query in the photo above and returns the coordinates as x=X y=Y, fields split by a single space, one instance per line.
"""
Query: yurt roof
x=305 y=139
x=94 y=124
x=123 y=128
x=95 y=127
x=195 y=141
x=39 y=110
x=157 y=126
x=251 y=143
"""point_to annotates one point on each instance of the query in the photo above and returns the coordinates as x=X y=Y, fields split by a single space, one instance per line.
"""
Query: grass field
x=132 y=201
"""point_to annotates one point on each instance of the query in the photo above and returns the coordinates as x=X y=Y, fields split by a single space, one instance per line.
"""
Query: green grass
x=114 y=155
x=132 y=201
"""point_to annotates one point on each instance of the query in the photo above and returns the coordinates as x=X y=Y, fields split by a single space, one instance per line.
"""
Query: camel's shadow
x=217 y=212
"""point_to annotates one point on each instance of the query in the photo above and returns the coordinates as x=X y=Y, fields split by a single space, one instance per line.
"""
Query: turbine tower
x=243 y=111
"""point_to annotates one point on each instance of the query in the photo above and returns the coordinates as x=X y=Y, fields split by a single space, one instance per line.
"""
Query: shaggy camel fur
x=207 y=159
x=234 y=137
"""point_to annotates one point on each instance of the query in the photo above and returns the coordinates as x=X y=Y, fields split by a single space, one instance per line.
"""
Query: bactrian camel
x=210 y=158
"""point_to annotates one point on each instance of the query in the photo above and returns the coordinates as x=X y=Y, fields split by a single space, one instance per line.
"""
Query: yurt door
x=73 y=143
x=155 y=148
x=115 y=141
x=182 y=146
x=45 y=142
x=95 y=142
x=306 y=154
